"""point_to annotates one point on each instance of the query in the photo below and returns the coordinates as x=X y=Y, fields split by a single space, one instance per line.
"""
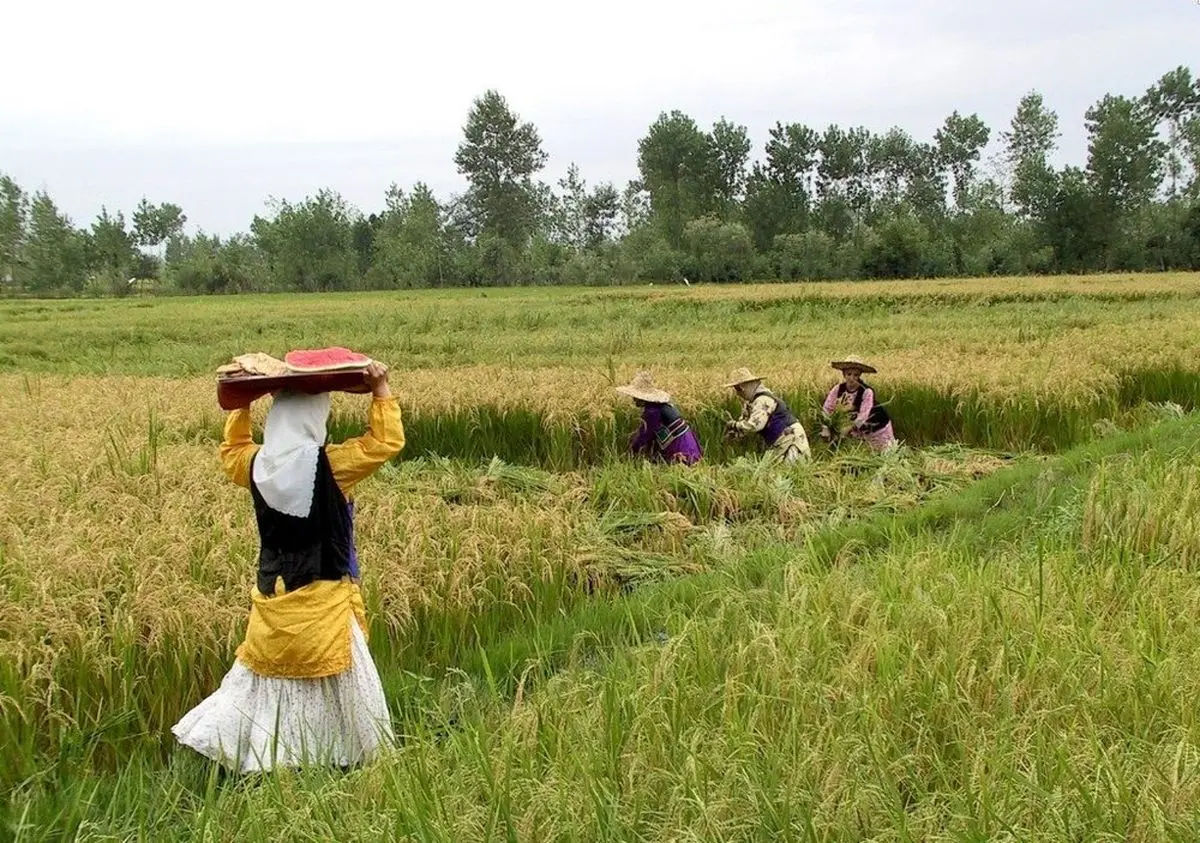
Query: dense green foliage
x=839 y=202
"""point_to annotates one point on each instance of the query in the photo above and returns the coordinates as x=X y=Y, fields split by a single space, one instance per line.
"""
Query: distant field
x=1062 y=333
x=987 y=635
x=1001 y=363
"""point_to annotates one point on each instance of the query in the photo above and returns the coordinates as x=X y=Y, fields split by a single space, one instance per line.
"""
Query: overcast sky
x=218 y=105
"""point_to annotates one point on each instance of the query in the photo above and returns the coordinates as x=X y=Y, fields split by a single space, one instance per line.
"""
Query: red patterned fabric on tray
x=333 y=359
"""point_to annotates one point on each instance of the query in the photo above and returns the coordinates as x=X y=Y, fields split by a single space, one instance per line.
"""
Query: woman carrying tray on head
x=303 y=689
x=664 y=435
x=870 y=421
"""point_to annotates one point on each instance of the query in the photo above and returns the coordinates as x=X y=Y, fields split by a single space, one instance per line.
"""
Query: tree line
x=831 y=203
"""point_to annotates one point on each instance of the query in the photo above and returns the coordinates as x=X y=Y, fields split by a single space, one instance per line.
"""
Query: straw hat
x=853 y=362
x=741 y=376
x=643 y=387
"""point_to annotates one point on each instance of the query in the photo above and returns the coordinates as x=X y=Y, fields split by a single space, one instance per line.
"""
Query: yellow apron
x=303 y=634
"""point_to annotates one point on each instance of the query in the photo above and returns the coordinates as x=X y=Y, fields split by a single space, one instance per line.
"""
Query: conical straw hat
x=853 y=362
x=643 y=387
x=741 y=376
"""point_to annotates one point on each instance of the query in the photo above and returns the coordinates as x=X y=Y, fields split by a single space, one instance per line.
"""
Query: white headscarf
x=285 y=469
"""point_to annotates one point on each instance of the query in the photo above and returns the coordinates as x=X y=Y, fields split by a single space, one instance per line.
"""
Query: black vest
x=779 y=421
x=673 y=426
x=877 y=419
x=301 y=550
x=670 y=413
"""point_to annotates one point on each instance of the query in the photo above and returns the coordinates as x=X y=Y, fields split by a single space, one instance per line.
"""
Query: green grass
x=526 y=375
x=986 y=635
x=533 y=547
x=527 y=328
x=974 y=668
x=924 y=416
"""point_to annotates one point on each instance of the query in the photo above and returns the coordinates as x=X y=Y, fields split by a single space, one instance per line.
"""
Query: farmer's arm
x=238 y=447
x=760 y=411
x=864 y=410
x=640 y=439
x=831 y=400
x=358 y=457
x=644 y=435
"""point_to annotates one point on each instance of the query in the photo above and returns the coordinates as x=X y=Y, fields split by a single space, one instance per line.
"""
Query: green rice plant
x=1173 y=384
x=906 y=696
x=695 y=492
x=615 y=523
x=125 y=460
x=1145 y=510
x=511 y=435
x=519 y=478
x=939 y=642
x=839 y=423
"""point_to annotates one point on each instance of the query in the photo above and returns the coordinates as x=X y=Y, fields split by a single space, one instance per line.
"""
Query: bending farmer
x=869 y=421
x=766 y=414
x=664 y=435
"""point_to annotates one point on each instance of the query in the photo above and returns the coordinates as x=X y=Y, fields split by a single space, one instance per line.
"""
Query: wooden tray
x=240 y=391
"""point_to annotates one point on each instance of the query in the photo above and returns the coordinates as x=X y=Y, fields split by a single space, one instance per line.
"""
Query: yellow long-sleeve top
x=351 y=461
x=305 y=633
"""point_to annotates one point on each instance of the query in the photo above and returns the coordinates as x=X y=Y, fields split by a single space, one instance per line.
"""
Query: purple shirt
x=663 y=440
x=353 y=549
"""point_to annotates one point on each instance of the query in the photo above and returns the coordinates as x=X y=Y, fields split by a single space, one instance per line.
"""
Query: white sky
x=218 y=105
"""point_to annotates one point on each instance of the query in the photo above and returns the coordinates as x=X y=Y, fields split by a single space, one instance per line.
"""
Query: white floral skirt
x=253 y=723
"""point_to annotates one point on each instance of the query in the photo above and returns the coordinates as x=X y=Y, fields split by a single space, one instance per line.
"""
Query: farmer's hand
x=376 y=375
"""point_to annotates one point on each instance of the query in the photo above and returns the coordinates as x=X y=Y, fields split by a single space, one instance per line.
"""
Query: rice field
x=987 y=634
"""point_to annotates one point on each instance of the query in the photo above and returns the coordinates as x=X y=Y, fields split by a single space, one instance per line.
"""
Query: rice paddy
x=986 y=634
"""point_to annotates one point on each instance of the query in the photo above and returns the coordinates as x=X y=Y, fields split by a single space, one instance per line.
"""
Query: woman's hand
x=377 y=379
